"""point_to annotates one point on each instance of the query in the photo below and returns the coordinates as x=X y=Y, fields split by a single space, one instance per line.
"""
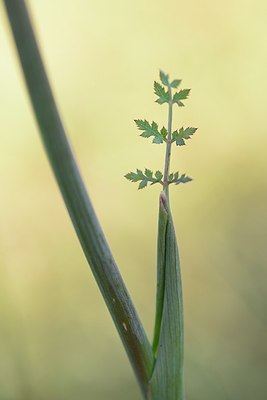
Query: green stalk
x=76 y=198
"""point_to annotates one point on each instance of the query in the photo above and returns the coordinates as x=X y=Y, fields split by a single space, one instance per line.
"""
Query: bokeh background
x=57 y=340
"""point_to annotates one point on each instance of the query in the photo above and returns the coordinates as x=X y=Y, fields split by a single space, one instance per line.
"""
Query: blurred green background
x=57 y=340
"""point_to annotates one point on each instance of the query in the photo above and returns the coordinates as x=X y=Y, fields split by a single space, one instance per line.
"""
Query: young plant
x=158 y=367
x=166 y=381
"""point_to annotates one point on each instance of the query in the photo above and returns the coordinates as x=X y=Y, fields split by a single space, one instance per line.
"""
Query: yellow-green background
x=57 y=341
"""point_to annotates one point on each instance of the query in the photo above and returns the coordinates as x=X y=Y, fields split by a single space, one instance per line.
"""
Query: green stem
x=76 y=198
x=168 y=147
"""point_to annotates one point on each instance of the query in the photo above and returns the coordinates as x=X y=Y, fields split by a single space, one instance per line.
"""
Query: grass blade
x=167 y=378
x=77 y=201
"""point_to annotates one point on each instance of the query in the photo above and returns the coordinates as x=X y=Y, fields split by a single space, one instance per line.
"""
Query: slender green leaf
x=167 y=378
x=77 y=201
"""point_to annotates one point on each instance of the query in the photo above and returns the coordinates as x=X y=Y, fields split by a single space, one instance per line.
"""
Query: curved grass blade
x=77 y=201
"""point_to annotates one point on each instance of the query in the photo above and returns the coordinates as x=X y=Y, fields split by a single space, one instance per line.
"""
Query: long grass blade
x=167 y=378
x=77 y=201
